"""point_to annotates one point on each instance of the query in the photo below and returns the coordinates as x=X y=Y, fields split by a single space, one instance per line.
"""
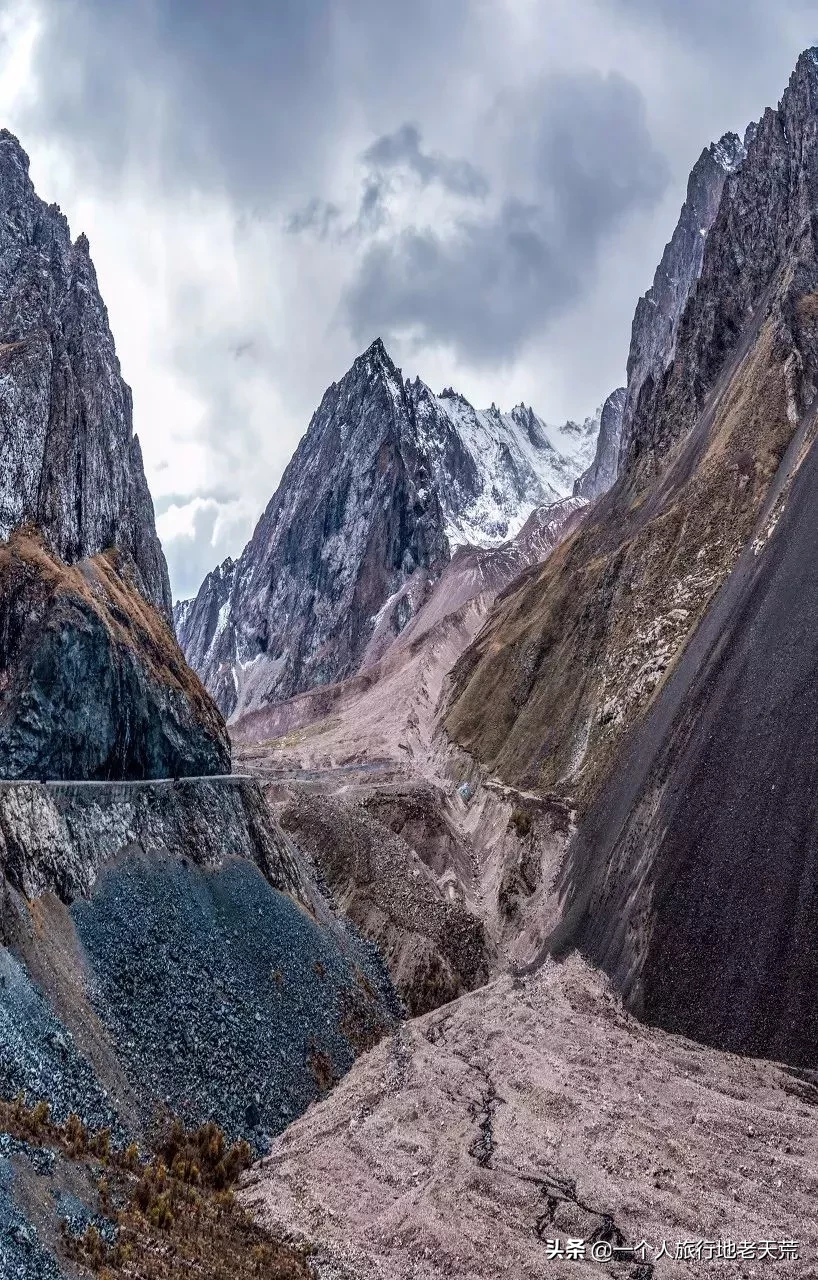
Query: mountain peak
x=807 y=61
x=728 y=152
x=377 y=354
x=85 y=490
x=11 y=145
x=522 y=412
x=449 y=393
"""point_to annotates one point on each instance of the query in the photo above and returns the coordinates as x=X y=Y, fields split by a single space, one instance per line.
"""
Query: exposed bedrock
x=388 y=481
x=659 y=668
x=92 y=681
x=69 y=461
x=434 y=946
x=572 y=656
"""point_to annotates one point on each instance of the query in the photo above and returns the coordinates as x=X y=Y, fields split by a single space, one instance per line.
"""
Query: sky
x=267 y=185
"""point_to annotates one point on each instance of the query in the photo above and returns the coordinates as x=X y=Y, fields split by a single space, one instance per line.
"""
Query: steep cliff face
x=388 y=479
x=164 y=951
x=658 y=314
x=69 y=461
x=692 y=878
x=571 y=659
x=201 y=624
x=354 y=517
x=92 y=681
x=602 y=471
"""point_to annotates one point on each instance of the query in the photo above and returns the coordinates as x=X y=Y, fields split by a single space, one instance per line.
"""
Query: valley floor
x=536 y=1110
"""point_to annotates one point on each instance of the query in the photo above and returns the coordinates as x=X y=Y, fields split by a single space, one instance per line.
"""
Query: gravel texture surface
x=22 y=1255
x=538 y=1110
x=224 y=999
x=39 y=1057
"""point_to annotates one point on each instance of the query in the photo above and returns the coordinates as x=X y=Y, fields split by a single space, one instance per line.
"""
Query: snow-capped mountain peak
x=492 y=468
x=387 y=482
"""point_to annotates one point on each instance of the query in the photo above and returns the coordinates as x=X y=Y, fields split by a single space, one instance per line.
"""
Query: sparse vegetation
x=174 y=1213
x=321 y=1068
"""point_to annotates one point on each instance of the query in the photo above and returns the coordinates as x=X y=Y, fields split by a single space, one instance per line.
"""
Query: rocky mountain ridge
x=602 y=470
x=657 y=329
x=388 y=480
x=87 y=626
x=164 y=947
x=614 y=671
x=658 y=313
x=69 y=461
x=84 y=591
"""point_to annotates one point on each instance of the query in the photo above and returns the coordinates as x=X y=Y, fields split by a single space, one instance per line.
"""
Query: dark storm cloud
x=199 y=83
x=402 y=150
x=249 y=94
x=317 y=215
x=587 y=158
x=371 y=212
x=391 y=157
x=540 y=208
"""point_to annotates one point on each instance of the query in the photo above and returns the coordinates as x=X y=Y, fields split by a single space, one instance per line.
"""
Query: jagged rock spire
x=69 y=461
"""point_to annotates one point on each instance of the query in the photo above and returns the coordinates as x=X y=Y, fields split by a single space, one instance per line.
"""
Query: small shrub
x=40 y=1117
x=76 y=1135
x=100 y=1144
x=520 y=820
x=175 y=1215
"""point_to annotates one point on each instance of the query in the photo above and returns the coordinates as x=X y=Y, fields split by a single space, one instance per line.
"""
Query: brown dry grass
x=175 y=1213
x=576 y=652
x=105 y=584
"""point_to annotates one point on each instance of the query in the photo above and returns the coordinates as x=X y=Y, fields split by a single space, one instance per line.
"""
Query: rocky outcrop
x=57 y=838
x=492 y=469
x=69 y=461
x=570 y=661
x=387 y=481
x=658 y=314
x=354 y=517
x=92 y=681
x=656 y=668
x=164 y=949
x=434 y=947
x=390 y=709
x=134 y=985
x=200 y=625
x=601 y=474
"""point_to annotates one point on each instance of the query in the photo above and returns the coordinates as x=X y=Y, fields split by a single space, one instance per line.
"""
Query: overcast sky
x=269 y=184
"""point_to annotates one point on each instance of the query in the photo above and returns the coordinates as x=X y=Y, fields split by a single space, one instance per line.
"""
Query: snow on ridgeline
x=493 y=469
x=387 y=482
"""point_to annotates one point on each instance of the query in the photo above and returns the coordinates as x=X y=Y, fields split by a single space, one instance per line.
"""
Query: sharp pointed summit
x=388 y=480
